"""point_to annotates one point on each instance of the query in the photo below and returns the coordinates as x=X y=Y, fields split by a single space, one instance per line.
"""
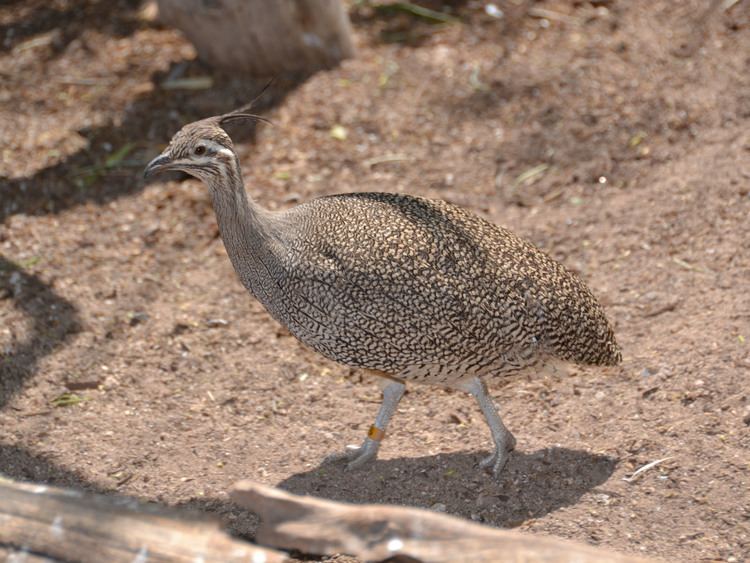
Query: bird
x=411 y=289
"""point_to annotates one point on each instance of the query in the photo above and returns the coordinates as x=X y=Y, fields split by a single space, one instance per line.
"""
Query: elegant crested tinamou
x=413 y=289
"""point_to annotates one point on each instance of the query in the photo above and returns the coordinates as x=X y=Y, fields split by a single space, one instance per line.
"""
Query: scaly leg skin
x=368 y=451
x=501 y=436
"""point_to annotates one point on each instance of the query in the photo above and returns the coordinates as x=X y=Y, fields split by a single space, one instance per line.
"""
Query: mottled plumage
x=421 y=287
x=417 y=289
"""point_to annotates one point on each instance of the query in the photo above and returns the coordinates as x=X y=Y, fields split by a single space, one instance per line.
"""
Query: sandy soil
x=615 y=135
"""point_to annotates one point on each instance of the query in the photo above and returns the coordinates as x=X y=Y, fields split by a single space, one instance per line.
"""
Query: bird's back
x=424 y=288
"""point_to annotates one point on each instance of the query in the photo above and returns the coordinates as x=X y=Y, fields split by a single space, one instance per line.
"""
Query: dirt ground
x=613 y=134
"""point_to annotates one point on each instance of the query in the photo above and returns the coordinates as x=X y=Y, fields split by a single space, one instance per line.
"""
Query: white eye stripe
x=214 y=147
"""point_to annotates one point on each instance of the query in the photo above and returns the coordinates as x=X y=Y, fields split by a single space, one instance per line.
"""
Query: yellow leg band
x=375 y=433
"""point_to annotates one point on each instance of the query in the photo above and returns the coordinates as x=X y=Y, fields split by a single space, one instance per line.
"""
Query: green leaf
x=637 y=139
x=29 y=262
x=67 y=399
x=117 y=157
x=531 y=175
x=418 y=11
x=190 y=83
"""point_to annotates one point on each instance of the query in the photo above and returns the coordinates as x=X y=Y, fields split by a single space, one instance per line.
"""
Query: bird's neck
x=249 y=232
x=241 y=220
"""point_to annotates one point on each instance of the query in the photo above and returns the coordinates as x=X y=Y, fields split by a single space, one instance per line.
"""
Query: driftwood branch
x=45 y=524
x=378 y=532
x=40 y=523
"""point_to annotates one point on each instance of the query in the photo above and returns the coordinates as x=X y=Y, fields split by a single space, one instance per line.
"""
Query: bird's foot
x=357 y=456
x=500 y=456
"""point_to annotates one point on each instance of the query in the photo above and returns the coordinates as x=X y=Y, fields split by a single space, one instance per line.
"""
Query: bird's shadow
x=530 y=486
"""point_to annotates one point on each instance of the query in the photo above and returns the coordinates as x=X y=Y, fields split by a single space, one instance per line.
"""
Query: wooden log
x=16 y=555
x=378 y=532
x=40 y=523
x=262 y=38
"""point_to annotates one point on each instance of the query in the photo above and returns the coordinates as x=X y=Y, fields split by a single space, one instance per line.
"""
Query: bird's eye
x=199 y=150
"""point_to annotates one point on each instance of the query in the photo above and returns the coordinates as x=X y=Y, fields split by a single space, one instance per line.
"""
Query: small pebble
x=493 y=11
x=138 y=317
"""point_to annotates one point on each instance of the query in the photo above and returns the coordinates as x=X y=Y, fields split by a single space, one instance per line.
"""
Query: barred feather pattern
x=418 y=288
x=430 y=291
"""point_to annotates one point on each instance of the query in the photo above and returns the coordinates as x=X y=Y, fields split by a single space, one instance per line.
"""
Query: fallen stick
x=641 y=470
x=377 y=532
x=40 y=523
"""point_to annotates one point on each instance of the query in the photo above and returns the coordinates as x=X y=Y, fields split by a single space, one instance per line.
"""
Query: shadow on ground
x=69 y=20
x=98 y=174
x=110 y=164
x=531 y=485
x=53 y=321
x=21 y=465
x=91 y=174
x=412 y=26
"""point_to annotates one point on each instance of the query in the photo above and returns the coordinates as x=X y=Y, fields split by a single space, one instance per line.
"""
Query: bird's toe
x=488 y=461
x=496 y=462
x=367 y=453
x=499 y=464
x=500 y=456
x=363 y=459
x=350 y=453
x=356 y=456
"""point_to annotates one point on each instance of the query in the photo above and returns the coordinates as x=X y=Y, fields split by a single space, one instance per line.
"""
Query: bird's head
x=202 y=149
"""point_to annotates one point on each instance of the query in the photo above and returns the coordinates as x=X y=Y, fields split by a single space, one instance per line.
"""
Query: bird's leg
x=501 y=436
x=368 y=451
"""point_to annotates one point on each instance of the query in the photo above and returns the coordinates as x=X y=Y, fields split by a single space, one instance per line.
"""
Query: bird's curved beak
x=159 y=164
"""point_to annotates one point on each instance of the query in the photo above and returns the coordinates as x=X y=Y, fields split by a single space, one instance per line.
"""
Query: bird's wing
x=381 y=279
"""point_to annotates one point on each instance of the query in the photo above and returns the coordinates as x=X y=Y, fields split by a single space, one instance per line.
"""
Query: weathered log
x=16 y=555
x=262 y=38
x=40 y=523
x=378 y=532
